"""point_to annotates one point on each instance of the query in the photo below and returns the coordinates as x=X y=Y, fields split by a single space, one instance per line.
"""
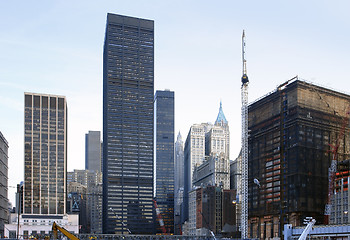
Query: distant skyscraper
x=3 y=184
x=164 y=157
x=93 y=151
x=45 y=157
x=128 y=94
x=179 y=181
x=179 y=162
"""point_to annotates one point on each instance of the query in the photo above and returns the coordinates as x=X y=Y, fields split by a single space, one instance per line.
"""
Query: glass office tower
x=164 y=157
x=45 y=157
x=128 y=91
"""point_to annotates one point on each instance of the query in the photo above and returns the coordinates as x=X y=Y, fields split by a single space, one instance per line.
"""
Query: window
x=28 y=100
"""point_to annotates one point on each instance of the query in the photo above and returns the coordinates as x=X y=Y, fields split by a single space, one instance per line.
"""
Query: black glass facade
x=128 y=88
x=289 y=153
x=45 y=158
x=164 y=158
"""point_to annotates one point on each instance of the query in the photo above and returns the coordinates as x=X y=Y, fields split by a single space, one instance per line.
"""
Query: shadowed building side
x=164 y=157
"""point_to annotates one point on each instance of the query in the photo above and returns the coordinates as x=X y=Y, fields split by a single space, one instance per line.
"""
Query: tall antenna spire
x=244 y=61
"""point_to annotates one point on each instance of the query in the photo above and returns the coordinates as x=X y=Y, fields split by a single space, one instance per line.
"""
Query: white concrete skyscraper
x=204 y=139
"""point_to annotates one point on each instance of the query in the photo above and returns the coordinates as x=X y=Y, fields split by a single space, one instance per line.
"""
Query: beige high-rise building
x=45 y=156
x=45 y=169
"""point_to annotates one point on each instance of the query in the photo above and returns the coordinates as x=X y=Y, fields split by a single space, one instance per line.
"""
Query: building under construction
x=290 y=132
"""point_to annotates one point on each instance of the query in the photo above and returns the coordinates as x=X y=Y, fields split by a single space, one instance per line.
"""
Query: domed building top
x=221 y=119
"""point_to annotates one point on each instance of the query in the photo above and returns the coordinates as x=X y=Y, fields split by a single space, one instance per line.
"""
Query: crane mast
x=244 y=169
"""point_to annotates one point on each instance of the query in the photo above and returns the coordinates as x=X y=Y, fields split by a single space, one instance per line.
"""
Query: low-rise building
x=192 y=213
x=39 y=226
x=212 y=210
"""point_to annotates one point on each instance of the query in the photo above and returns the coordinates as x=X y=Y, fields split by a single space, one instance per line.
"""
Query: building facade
x=289 y=154
x=235 y=184
x=45 y=156
x=194 y=155
x=94 y=203
x=192 y=213
x=215 y=171
x=92 y=200
x=212 y=211
x=340 y=198
x=86 y=177
x=128 y=94
x=93 y=159
x=4 y=212
x=164 y=157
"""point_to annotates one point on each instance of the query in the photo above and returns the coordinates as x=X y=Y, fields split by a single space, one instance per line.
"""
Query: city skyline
x=200 y=57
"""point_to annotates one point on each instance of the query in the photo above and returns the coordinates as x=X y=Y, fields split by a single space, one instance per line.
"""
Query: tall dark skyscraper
x=93 y=151
x=45 y=156
x=128 y=92
x=164 y=157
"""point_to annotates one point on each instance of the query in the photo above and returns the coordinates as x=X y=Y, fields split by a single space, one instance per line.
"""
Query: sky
x=56 y=47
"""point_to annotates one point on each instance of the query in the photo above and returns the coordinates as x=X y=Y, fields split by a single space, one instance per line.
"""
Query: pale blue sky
x=56 y=47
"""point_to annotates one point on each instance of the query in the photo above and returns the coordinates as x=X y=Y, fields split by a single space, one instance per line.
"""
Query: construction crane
x=244 y=168
x=118 y=217
x=333 y=168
